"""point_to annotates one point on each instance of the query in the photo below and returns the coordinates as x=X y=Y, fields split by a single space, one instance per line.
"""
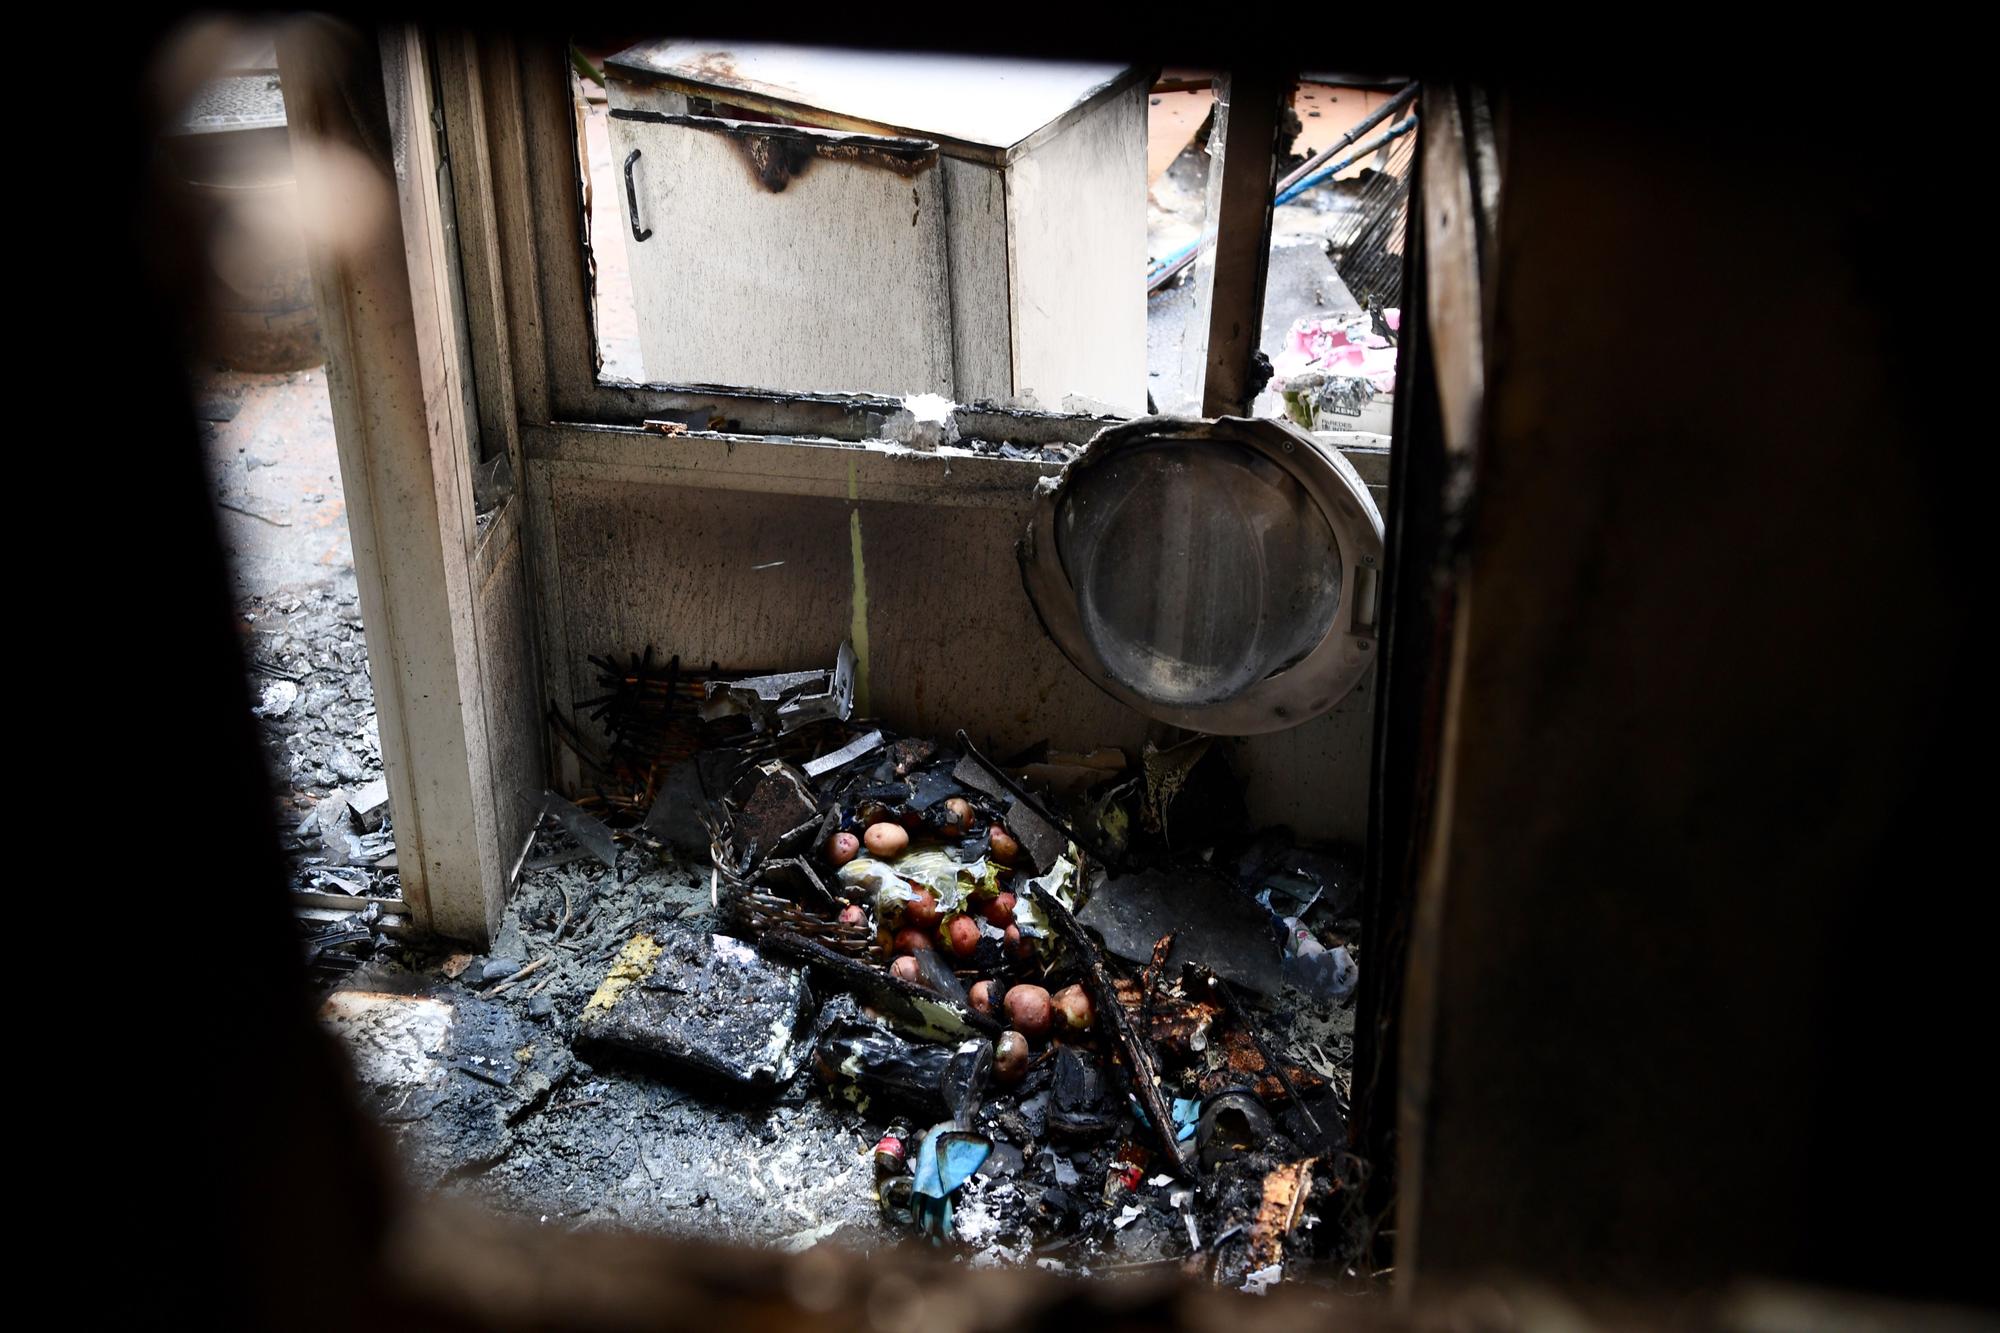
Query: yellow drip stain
x=857 y=628
x=634 y=964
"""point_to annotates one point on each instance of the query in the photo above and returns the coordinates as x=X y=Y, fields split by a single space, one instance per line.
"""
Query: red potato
x=958 y=814
x=1002 y=845
x=906 y=969
x=960 y=936
x=854 y=914
x=921 y=910
x=982 y=998
x=909 y=940
x=886 y=841
x=1017 y=945
x=842 y=848
x=1028 y=1010
x=1010 y=1057
x=1072 y=1009
x=999 y=909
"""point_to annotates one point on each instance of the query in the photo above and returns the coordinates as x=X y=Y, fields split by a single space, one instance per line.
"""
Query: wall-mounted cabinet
x=888 y=223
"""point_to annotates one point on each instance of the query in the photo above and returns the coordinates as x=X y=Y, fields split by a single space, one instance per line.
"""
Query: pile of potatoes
x=1031 y=1013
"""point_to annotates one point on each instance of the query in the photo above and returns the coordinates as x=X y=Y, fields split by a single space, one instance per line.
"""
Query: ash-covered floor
x=681 y=1028
x=473 y=1063
x=507 y=1115
x=571 y=1143
x=274 y=470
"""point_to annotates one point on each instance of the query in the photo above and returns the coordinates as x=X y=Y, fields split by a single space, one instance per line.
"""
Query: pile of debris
x=315 y=708
x=1333 y=366
x=1035 y=985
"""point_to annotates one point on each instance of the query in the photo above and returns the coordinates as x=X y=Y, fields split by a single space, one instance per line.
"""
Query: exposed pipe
x=1307 y=174
x=1355 y=131
x=1394 y=132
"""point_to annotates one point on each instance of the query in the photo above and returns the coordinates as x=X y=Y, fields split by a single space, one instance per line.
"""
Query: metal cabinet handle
x=632 y=199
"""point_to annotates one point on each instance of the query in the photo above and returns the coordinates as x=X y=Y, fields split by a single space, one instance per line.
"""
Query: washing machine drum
x=1219 y=575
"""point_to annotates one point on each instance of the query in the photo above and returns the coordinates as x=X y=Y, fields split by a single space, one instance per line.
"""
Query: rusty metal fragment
x=780 y=805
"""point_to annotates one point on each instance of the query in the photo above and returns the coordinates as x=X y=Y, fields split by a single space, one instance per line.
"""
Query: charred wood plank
x=1132 y=1045
x=909 y=1006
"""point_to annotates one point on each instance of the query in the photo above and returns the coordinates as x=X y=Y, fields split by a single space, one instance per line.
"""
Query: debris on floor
x=1333 y=366
x=1050 y=1008
x=315 y=708
x=468 y=1068
x=707 y=1005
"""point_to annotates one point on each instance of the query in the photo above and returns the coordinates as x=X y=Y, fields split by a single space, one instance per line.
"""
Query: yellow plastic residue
x=633 y=964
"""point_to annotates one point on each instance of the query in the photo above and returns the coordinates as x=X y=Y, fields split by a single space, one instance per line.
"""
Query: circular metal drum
x=1221 y=576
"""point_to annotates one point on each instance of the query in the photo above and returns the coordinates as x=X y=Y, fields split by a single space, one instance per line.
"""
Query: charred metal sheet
x=778 y=806
x=845 y=755
x=979 y=777
x=1218 y=925
x=589 y=831
x=1043 y=841
x=779 y=154
x=1040 y=833
x=706 y=1004
x=785 y=702
x=675 y=817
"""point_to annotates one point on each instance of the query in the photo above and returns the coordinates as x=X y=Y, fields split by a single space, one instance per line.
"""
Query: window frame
x=526 y=103
x=518 y=188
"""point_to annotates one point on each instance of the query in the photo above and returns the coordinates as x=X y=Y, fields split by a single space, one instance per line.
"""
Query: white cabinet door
x=776 y=257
